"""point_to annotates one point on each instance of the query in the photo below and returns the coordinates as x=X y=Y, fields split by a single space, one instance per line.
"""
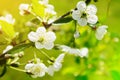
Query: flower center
x=83 y=15
x=41 y=40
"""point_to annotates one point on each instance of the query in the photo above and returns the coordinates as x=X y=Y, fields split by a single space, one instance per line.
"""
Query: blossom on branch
x=57 y=65
x=42 y=38
x=37 y=69
x=85 y=14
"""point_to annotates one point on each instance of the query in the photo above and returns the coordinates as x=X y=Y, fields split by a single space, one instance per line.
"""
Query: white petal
x=32 y=36
x=28 y=66
x=74 y=51
x=41 y=30
x=83 y=52
x=43 y=2
x=91 y=10
x=101 y=31
x=50 y=36
x=24 y=8
x=81 y=5
x=50 y=10
x=57 y=66
x=60 y=58
x=38 y=45
x=77 y=34
x=7 y=48
x=92 y=19
x=76 y=14
x=82 y=21
x=65 y=48
x=50 y=70
x=48 y=45
x=8 y=18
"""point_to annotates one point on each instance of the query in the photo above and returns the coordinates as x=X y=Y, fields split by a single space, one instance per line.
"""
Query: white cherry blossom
x=36 y=69
x=57 y=65
x=101 y=31
x=85 y=14
x=24 y=9
x=83 y=52
x=8 y=18
x=42 y=38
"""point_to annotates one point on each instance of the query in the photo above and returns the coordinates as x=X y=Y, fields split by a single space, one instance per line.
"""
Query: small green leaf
x=77 y=60
x=35 y=21
x=87 y=1
x=63 y=20
x=4 y=70
x=38 y=8
x=115 y=75
x=19 y=48
x=8 y=29
x=95 y=0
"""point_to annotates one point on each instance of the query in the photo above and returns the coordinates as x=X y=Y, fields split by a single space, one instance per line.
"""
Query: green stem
x=17 y=69
x=108 y=8
x=39 y=18
x=44 y=54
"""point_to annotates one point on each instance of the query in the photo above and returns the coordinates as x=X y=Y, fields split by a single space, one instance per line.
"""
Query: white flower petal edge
x=57 y=65
x=82 y=21
x=41 y=30
x=83 y=52
x=43 y=2
x=91 y=9
x=76 y=14
x=42 y=38
x=101 y=31
x=92 y=19
x=7 y=48
x=81 y=5
x=50 y=10
x=32 y=36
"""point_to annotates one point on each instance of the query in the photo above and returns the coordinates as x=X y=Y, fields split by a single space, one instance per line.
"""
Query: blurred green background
x=103 y=62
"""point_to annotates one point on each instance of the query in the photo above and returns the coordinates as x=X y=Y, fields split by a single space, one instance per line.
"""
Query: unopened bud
x=77 y=34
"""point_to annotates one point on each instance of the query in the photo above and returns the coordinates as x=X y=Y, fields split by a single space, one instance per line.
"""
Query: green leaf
x=77 y=60
x=95 y=0
x=81 y=77
x=37 y=8
x=4 y=70
x=19 y=48
x=8 y=29
x=63 y=20
x=115 y=75
x=35 y=21
x=87 y=1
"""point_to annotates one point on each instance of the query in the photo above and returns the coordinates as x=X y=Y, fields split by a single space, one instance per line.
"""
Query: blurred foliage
x=104 y=56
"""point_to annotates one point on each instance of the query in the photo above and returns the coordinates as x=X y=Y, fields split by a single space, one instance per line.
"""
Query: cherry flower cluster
x=86 y=15
x=43 y=38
